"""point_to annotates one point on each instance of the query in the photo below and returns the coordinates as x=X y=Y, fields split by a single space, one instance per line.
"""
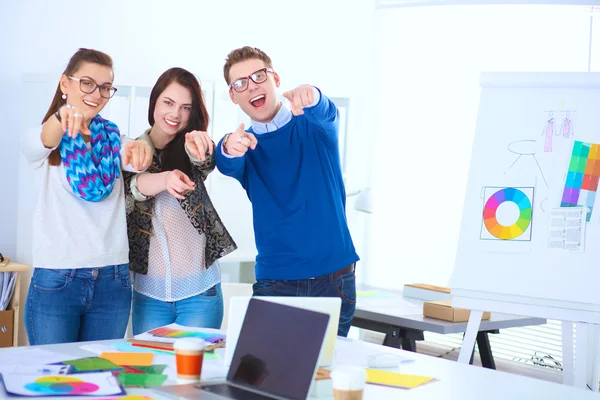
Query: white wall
x=309 y=42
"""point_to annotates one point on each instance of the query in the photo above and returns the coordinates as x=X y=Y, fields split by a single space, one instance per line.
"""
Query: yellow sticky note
x=124 y=358
x=395 y=379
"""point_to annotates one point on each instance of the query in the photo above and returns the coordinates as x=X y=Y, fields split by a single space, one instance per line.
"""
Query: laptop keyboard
x=232 y=392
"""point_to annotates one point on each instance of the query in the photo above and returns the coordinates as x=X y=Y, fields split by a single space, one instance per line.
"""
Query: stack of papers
x=7 y=288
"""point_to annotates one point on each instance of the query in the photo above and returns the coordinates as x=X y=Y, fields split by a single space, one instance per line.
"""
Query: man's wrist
x=225 y=142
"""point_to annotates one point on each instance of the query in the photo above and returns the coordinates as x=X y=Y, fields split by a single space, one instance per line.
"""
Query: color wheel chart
x=582 y=177
x=507 y=213
x=61 y=385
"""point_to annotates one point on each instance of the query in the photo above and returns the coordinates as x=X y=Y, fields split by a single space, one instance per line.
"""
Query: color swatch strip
x=583 y=175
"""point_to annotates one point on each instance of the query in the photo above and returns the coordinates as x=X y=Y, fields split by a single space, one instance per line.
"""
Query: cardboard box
x=6 y=328
x=443 y=310
x=426 y=292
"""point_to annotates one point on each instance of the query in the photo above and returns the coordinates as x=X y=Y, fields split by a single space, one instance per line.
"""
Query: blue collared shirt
x=283 y=116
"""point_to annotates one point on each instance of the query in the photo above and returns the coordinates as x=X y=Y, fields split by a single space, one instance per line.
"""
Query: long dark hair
x=81 y=56
x=173 y=156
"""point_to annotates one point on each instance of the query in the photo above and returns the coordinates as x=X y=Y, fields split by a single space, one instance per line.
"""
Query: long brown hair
x=81 y=56
x=173 y=156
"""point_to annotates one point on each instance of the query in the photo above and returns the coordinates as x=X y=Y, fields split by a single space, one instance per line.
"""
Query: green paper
x=93 y=364
x=211 y=355
x=151 y=369
x=141 y=380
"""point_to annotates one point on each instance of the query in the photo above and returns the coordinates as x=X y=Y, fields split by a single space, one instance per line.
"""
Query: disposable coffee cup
x=189 y=354
x=348 y=382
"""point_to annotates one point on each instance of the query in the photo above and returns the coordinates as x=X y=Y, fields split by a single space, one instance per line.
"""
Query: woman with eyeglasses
x=80 y=289
x=175 y=233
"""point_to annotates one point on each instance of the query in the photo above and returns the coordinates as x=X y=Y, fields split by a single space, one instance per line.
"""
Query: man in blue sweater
x=288 y=162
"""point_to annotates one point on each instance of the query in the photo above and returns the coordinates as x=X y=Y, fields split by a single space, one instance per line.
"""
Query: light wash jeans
x=203 y=311
x=78 y=305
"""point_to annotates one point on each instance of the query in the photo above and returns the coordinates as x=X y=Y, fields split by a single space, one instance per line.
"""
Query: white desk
x=455 y=381
x=402 y=321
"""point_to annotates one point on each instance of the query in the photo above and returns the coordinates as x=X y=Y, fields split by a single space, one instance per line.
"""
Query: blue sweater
x=294 y=181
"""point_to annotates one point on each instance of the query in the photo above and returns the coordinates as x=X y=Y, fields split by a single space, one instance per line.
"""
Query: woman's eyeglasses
x=89 y=87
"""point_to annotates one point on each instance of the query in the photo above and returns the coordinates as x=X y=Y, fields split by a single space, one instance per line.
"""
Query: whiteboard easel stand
x=586 y=371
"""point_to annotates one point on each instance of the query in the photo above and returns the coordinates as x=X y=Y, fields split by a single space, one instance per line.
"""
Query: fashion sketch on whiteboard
x=566 y=130
x=549 y=133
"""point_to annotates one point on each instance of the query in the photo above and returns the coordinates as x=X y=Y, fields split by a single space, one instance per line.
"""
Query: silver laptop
x=327 y=305
x=275 y=357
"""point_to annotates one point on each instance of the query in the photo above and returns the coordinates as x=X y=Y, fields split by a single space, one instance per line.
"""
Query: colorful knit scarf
x=92 y=174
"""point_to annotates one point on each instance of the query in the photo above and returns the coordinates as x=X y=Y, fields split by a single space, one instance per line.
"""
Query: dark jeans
x=330 y=285
x=78 y=305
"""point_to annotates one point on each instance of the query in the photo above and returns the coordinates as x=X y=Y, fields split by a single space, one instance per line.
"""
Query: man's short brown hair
x=243 y=54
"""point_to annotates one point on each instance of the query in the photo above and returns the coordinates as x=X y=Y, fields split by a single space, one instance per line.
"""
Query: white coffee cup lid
x=189 y=344
x=348 y=377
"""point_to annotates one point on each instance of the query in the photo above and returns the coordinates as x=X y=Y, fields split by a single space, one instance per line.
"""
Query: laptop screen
x=278 y=349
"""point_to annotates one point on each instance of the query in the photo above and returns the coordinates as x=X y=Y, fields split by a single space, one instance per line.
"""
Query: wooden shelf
x=14 y=267
x=14 y=302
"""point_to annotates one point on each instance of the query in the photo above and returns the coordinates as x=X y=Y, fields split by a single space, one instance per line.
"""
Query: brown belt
x=346 y=270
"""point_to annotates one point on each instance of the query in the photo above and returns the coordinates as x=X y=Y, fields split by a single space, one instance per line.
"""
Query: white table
x=402 y=321
x=455 y=381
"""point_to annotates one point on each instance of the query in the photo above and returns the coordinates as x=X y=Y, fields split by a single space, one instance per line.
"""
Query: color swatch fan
x=507 y=213
x=583 y=174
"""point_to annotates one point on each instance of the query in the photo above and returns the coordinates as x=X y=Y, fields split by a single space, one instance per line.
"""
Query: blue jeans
x=330 y=285
x=203 y=311
x=78 y=305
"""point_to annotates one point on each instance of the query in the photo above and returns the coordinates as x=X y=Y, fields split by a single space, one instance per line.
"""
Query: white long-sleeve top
x=69 y=232
x=176 y=254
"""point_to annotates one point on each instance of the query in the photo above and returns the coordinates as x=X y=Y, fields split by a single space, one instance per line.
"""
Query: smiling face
x=173 y=110
x=86 y=76
x=259 y=101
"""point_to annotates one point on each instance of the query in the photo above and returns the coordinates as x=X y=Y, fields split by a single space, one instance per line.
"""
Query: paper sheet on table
x=394 y=379
x=126 y=346
x=355 y=352
x=35 y=369
x=33 y=356
x=165 y=359
x=94 y=384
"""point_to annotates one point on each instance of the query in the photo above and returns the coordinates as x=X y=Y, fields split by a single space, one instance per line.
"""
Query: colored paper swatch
x=152 y=369
x=141 y=380
x=131 y=358
x=92 y=364
x=394 y=379
x=523 y=221
x=583 y=174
